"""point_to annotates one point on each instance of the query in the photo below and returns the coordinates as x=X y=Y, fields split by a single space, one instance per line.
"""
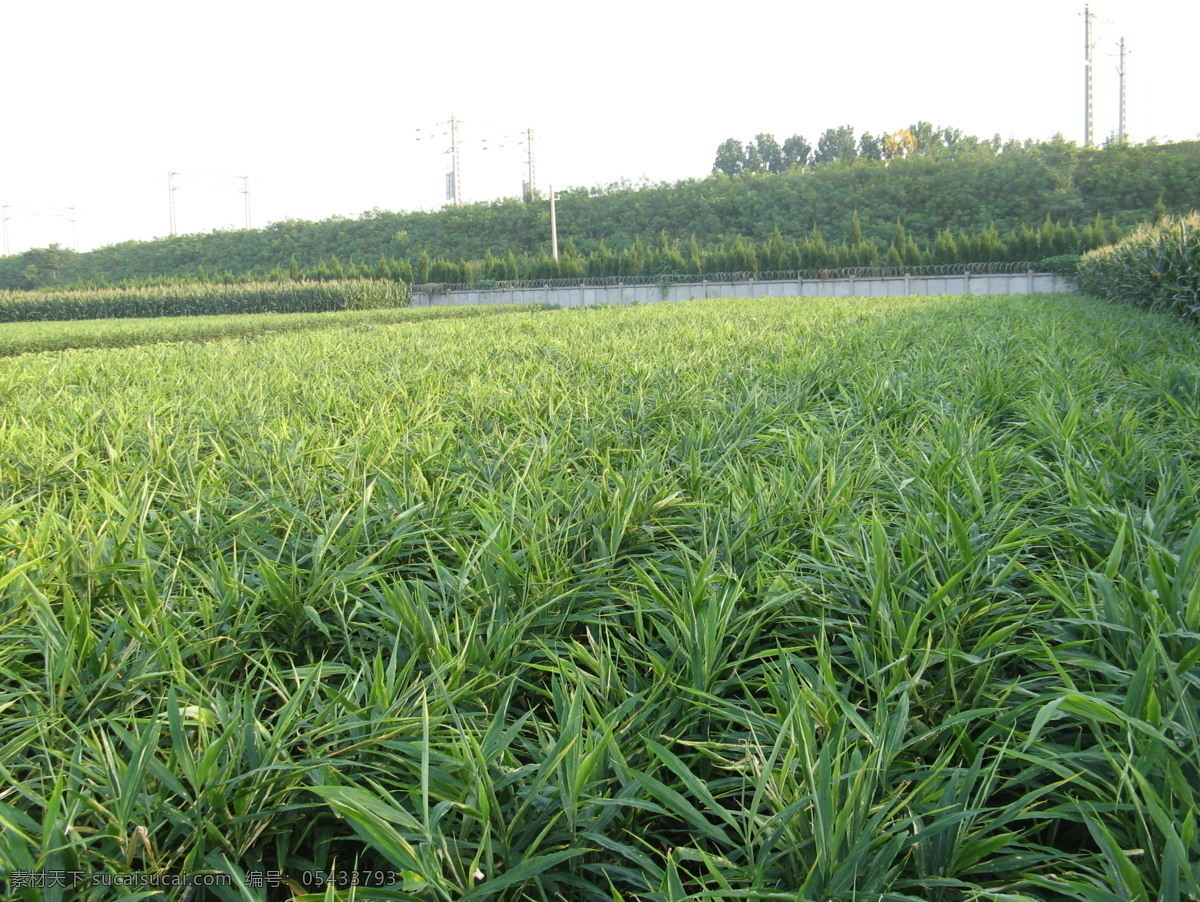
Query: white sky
x=319 y=103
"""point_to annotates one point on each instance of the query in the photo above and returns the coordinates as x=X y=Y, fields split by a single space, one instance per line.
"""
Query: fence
x=975 y=278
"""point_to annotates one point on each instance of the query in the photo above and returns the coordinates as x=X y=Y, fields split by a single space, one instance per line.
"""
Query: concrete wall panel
x=891 y=286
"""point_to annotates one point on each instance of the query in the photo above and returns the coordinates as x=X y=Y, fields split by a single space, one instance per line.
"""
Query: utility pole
x=246 y=193
x=74 y=220
x=1087 y=69
x=1122 y=137
x=4 y=225
x=171 y=198
x=553 y=227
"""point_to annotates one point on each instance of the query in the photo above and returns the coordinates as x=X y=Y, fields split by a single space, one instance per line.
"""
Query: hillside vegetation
x=984 y=199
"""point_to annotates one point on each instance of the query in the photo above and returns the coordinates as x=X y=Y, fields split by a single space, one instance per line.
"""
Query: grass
x=772 y=599
x=35 y=337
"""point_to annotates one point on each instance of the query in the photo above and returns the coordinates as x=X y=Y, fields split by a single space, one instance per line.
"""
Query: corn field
x=201 y=300
x=1157 y=267
x=53 y=335
x=823 y=599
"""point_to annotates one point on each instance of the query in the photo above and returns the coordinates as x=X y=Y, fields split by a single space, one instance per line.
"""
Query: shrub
x=1062 y=265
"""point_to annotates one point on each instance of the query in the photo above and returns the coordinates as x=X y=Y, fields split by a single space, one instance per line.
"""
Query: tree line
x=764 y=154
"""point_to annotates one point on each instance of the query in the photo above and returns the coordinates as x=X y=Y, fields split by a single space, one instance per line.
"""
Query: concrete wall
x=588 y=295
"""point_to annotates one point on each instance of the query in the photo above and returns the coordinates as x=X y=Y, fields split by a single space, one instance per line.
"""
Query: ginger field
x=822 y=599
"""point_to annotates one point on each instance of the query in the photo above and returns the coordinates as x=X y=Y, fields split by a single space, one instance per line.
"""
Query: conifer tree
x=695 y=263
x=601 y=261
x=774 y=254
x=945 y=248
x=815 y=252
x=855 y=237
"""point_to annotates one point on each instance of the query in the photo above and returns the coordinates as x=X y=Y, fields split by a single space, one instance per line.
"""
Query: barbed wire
x=784 y=275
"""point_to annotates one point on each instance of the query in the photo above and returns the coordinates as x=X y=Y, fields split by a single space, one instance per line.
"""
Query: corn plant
x=1157 y=267
x=53 y=335
x=202 y=300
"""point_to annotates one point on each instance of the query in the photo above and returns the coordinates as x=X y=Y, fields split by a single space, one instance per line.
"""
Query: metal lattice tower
x=215 y=179
x=245 y=190
x=1087 y=69
x=454 y=177
x=171 y=199
x=7 y=211
x=1122 y=135
x=497 y=139
x=530 y=184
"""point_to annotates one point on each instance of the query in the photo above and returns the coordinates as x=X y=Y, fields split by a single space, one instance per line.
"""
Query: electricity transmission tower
x=454 y=176
x=523 y=139
x=1122 y=135
x=212 y=180
x=1087 y=70
x=7 y=211
x=530 y=182
x=245 y=190
x=500 y=138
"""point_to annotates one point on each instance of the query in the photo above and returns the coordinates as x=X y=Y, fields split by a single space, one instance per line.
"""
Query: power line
x=523 y=139
x=7 y=211
x=208 y=179
x=498 y=139
x=454 y=176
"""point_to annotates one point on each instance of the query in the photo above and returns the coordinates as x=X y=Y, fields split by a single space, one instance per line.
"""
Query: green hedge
x=1157 y=267
x=203 y=300
x=1062 y=264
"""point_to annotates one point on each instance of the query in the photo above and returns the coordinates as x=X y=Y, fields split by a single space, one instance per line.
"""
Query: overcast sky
x=319 y=104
